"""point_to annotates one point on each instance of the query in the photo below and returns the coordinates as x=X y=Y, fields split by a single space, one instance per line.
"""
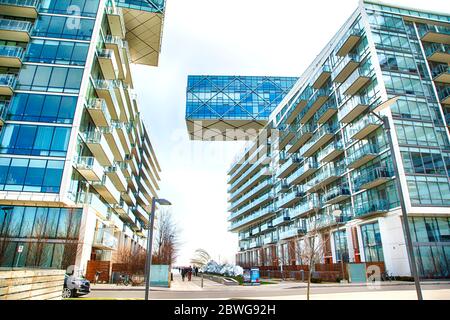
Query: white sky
x=225 y=37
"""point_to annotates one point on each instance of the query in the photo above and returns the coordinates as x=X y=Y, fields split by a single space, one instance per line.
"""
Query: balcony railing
x=308 y=168
x=11 y=52
x=316 y=101
x=253 y=192
x=304 y=133
x=444 y=94
x=363 y=127
x=257 y=215
x=346 y=67
x=330 y=152
x=325 y=176
x=104 y=238
x=283 y=219
x=353 y=108
x=304 y=208
x=439 y=70
x=356 y=81
x=326 y=111
x=258 y=202
x=326 y=221
x=362 y=155
x=321 y=76
x=289 y=165
x=8 y=81
x=15 y=25
x=322 y=136
x=372 y=178
x=20 y=3
x=292 y=197
x=378 y=206
x=432 y=33
x=247 y=173
x=256 y=177
x=348 y=42
x=292 y=233
x=437 y=52
x=336 y=194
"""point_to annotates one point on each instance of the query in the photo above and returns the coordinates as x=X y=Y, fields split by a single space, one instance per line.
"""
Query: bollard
x=202 y=280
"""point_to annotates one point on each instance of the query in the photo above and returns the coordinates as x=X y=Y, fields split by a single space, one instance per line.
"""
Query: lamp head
x=163 y=202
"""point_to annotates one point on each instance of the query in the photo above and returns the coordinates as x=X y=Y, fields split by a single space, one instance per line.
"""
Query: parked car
x=75 y=286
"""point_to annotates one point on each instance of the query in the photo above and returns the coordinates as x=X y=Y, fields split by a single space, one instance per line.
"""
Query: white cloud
x=251 y=37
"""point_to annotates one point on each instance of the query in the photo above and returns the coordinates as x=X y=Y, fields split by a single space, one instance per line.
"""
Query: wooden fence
x=31 y=284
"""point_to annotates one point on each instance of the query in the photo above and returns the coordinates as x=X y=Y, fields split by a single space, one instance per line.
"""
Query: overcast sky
x=225 y=37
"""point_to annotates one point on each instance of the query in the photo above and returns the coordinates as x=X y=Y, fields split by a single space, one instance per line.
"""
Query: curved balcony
x=308 y=168
x=372 y=178
x=11 y=56
x=372 y=208
x=336 y=194
x=362 y=155
x=364 y=127
x=301 y=137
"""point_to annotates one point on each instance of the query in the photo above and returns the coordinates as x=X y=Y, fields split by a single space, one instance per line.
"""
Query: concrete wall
x=31 y=284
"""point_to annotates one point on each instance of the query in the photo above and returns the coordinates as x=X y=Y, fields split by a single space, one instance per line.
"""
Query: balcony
x=89 y=168
x=99 y=147
x=353 y=108
x=444 y=94
x=326 y=175
x=261 y=201
x=108 y=64
x=118 y=46
x=320 y=138
x=331 y=152
x=355 y=82
x=7 y=84
x=436 y=34
x=254 y=155
x=122 y=132
x=328 y=110
x=348 y=42
x=119 y=90
x=98 y=110
x=363 y=155
x=116 y=21
x=291 y=198
x=15 y=30
x=4 y=108
x=336 y=194
x=259 y=176
x=286 y=135
x=11 y=56
x=371 y=208
x=301 y=137
x=255 y=244
x=117 y=178
x=113 y=140
x=258 y=215
x=107 y=190
x=308 y=168
x=256 y=191
x=268 y=226
x=104 y=239
x=251 y=171
x=270 y=239
x=317 y=100
x=441 y=73
x=292 y=233
x=290 y=165
x=327 y=221
x=321 y=77
x=19 y=8
x=282 y=220
x=141 y=213
x=105 y=91
x=438 y=53
x=372 y=178
x=298 y=105
x=129 y=197
x=345 y=68
x=364 y=127
x=305 y=208
x=122 y=208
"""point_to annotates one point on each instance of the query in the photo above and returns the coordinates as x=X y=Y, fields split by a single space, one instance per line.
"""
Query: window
x=429 y=190
x=371 y=238
x=51 y=79
x=35 y=140
x=63 y=27
x=42 y=108
x=30 y=175
x=87 y=8
x=340 y=246
x=58 y=52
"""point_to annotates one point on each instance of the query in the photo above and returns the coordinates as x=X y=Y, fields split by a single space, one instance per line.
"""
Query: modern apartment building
x=326 y=153
x=228 y=108
x=77 y=167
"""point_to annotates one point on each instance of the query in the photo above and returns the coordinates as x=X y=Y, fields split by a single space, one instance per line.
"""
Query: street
x=437 y=290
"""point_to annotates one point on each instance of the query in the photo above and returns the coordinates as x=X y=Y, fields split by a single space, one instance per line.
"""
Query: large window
x=431 y=239
x=51 y=79
x=371 y=238
x=39 y=225
x=417 y=161
x=425 y=190
x=42 y=108
x=58 y=52
x=34 y=140
x=86 y=8
x=30 y=175
x=63 y=27
x=340 y=246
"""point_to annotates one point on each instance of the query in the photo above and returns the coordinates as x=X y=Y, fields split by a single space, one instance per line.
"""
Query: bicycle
x=125 y=280
x=385 y=276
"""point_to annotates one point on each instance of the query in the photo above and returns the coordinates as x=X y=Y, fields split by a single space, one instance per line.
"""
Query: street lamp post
x=337 y=214
x=409 y=245
x=148 y=261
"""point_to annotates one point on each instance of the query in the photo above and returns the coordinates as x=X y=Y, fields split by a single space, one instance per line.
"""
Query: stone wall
x=26 y=284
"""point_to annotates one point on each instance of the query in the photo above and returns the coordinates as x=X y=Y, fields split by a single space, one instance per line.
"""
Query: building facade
x=326 y=167
x=77 y=167
x=229 y=108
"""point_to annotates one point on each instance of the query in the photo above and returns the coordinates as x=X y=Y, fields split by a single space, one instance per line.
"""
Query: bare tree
x=166 y=240
x=201 y=258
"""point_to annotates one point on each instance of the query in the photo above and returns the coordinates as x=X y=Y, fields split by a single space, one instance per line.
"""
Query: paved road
x=285 y=290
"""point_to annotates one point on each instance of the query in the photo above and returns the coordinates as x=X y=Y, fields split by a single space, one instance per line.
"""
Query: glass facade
x=332 y=154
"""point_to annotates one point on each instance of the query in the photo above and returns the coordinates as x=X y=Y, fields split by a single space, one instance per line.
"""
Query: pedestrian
x=183 y=273
x=196 y=271
x=189 y=273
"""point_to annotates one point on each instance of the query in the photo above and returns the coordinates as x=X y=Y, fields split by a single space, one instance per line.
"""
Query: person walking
x=196 y=271
x=183 y=273
x=189 y=273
